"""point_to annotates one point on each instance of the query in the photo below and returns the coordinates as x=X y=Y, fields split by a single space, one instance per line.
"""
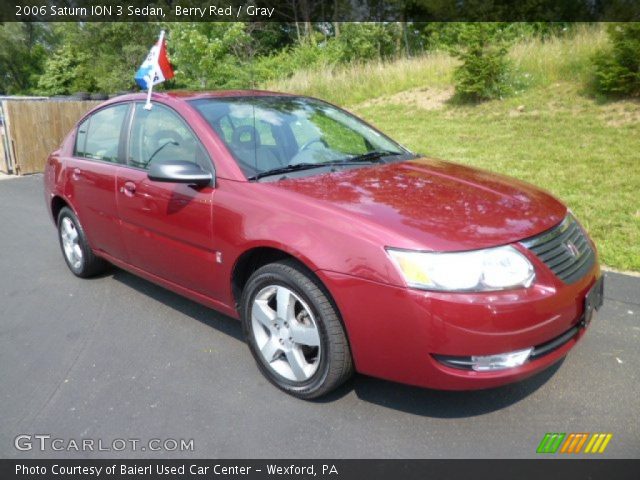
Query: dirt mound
x=425 y=98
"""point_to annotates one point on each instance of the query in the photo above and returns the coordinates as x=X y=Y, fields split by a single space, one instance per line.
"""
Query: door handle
x=76 y=174
x=129 y=189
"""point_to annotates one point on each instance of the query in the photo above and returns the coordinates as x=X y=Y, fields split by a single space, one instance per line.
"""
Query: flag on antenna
x=155 y=69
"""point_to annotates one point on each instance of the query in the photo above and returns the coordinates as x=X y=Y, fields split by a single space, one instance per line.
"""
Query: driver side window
x=160 y=135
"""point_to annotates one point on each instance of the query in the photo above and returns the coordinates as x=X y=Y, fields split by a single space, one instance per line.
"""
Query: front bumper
x=398 y=333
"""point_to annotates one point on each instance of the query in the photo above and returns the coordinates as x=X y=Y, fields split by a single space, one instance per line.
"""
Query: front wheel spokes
x=286 y=333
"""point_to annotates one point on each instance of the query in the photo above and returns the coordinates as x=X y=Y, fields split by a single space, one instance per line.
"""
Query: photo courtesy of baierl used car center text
x=342 y=239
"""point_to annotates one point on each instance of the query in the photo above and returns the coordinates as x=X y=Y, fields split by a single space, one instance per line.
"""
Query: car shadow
x=440 y=403
x=208 y=316
x=414 y=400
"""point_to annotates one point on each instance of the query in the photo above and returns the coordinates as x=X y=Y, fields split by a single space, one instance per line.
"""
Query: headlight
x=478 y=270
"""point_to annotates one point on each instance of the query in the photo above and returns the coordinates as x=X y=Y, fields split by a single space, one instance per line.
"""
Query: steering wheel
x=304 y=154
x=170 y=137
x=240 y=132
x=160 y=135
x=306 y=145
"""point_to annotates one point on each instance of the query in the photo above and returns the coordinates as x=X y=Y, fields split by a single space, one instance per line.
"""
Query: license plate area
x=593 y=301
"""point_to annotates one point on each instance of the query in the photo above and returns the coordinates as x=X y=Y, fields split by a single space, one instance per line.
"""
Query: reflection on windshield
x=275 y=133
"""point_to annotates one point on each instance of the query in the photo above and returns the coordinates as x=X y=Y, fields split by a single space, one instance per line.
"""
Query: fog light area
x=500 y=361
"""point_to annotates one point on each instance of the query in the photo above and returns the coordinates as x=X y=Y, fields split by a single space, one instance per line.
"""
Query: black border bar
x=319 y=10
x=593 y=469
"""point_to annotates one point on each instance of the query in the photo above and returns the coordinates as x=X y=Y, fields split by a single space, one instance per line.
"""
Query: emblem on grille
x=572 y=249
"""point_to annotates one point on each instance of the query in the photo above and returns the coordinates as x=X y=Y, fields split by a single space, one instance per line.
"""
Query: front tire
x=294 y=331
x=75 y=249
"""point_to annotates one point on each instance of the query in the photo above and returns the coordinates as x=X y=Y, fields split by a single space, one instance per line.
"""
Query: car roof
x=196 y=95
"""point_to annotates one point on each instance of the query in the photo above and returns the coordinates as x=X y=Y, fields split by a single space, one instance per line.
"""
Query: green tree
x=210 y=55
x=366 y=41
x=484 y=72
x=617 y=69
x=96 y=57
x=23 y=50
x=65 y=72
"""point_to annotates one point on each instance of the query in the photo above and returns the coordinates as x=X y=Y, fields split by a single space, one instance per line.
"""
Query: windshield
x=273 y=133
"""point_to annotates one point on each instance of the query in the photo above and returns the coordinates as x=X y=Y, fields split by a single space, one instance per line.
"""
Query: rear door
x=91 y=177
x=167 y=227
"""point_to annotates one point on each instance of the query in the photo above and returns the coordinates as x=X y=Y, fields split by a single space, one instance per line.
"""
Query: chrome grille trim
x=551 y=247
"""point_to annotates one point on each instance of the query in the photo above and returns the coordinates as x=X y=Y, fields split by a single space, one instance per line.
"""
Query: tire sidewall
x=68 y=213
x=271 y=276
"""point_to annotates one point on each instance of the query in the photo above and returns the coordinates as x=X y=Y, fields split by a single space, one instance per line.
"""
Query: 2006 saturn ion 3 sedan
x=338 y=249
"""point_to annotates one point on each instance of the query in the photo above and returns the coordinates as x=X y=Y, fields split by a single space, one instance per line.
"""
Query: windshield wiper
x=364 y=158
x=286 y=169
x=375 y=155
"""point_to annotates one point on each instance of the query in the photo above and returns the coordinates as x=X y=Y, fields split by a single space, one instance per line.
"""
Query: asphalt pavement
x=117 y=357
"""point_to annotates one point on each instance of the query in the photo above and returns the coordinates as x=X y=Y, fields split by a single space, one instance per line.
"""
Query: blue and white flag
x=155 y=69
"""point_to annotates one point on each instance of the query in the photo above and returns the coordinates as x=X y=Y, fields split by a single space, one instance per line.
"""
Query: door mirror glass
x=179 y=171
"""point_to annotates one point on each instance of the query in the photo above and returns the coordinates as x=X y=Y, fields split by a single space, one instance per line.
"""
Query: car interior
x=259 y=140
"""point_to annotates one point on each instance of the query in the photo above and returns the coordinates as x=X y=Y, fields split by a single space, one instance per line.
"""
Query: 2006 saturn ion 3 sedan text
x=337 y=248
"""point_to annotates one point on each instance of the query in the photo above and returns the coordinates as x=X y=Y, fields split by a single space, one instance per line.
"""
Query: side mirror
x=179 y=171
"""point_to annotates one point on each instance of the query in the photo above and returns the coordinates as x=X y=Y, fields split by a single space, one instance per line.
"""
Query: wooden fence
x=34 y=128
x=4 y=161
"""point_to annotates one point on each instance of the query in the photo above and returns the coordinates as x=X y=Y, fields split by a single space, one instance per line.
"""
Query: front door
x=167 y=227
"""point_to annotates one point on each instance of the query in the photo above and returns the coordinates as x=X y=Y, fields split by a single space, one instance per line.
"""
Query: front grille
x=565 y=249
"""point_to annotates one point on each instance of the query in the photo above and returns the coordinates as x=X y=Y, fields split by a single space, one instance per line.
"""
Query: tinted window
x=265 y=133
x=99 y=136
x=160 y=135
x=81 y=138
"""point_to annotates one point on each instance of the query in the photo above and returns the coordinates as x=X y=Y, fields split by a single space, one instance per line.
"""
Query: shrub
x=357 y=43
x=484 y=72
x=362 y=42
x=617 y=69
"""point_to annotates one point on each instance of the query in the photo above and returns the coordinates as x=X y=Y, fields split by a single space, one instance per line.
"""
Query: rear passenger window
x=81 y=139
x=98 y=137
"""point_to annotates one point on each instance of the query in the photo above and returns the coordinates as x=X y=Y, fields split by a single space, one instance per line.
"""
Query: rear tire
x=294 y=331
x=75 y=249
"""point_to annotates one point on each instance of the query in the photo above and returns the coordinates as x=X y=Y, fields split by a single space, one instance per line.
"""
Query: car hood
x=435 y=205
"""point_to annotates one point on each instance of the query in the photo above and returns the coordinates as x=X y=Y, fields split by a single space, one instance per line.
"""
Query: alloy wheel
x=71 y=243
x=286 y=333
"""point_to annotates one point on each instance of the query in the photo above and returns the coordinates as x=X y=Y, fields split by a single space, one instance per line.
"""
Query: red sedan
x=337 y=248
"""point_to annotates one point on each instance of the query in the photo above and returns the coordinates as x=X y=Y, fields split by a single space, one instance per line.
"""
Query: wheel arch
x=250 y=261
x=258 y=256
x=57 y=204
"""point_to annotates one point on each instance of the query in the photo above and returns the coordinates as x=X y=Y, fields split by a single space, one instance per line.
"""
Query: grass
x=349 y=85
x=551 y=134
x=559 y=58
